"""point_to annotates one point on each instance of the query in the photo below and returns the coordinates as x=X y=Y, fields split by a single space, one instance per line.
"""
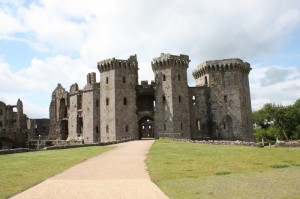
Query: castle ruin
x=118 y=107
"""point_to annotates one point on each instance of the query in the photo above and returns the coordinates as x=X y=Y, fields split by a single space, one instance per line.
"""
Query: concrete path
x=119 y=173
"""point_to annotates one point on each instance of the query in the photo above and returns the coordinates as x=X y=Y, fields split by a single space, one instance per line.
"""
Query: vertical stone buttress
x=75 y=121
x=118 y=80
x=171 y=96
x=90 y=110
x=58 y=113
x=229 y=98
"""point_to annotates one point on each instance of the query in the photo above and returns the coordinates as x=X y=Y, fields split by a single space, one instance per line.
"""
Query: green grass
x=20 y=171
x=188 y=170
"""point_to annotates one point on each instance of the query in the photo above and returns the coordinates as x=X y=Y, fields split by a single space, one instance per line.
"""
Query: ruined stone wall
x=38 y=127
x=13 y=126
x=172 y=104
x=90 y=110
x=58 y=113
x=199 y=112
x=75 y=113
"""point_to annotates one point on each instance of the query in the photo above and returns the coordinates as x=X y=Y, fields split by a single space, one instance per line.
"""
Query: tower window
x=179 y=98
x=205 y=80
x=181 y=125
x=97 y=129
x=225 y=98
x=224 y=125
x=164 y=77
x=199 y=124
x=97 y=103
x=107 y=101
x=124 y=79
x=1 y=111
x=107 y=129
x=126 y=128
x=165 y=127
x=106 y=80
x=125 y=101
x=164 y=98
x=178 y=76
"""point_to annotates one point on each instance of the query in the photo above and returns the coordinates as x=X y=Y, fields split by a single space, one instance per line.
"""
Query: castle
x=118 y=107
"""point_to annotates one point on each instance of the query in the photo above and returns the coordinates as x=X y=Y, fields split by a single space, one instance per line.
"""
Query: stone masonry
x=118 y=108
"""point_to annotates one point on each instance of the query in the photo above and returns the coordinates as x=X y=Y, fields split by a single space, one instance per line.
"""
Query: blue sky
x=46 y=42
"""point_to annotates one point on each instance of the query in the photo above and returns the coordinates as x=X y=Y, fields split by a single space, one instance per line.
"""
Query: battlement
x=112 y=64
x=221 y=65
x=168 y=60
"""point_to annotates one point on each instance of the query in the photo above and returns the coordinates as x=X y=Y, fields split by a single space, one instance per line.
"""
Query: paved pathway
x=119 y=173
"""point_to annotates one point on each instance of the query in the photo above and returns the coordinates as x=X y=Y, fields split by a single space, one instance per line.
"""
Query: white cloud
x=274 y=84
x=76 y=35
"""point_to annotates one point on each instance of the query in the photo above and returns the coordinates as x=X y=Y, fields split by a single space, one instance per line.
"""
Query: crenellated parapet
x=168 y=60
x=221 y=65
x=114 y=64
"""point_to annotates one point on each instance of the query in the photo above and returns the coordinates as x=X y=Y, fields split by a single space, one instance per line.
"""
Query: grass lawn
x=189 y=170
x=23 y=170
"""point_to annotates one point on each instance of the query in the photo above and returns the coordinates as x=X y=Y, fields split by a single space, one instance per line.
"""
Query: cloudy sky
x=45 y=42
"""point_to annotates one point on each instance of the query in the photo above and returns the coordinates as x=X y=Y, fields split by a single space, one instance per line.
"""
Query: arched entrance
x=146 y=128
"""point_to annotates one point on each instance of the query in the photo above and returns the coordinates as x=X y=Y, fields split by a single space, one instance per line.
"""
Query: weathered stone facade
x=13 y=126
x=117 y=108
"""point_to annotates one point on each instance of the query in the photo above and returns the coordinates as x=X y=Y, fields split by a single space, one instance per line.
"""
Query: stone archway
x=146 y=128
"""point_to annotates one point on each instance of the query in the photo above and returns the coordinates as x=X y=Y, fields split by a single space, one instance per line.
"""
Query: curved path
x=119 y=173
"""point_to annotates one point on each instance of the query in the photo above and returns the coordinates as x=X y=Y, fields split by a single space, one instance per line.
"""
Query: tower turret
x=118 y=79
x=171 y=91
x=230 y=104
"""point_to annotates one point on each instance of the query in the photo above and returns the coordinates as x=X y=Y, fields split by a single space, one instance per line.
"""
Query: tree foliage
x=277 y=121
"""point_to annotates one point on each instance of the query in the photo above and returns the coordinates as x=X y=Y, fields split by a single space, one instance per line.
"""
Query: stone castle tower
x=118 y=80
x=171 y=91
x=117 y=108
x=228 y=98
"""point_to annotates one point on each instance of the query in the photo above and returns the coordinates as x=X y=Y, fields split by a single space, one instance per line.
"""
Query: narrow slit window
x=106 y=80
x=125 y=101
x=164 y=77
x=107 y=101
x=225 y=98
x=126 y=128
x=199 y=124
x=107 y=129
x=164 y=98
x=181 y=126
x=165 y=127
x=178 y=77
x=124 y=79
x=179 y=98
